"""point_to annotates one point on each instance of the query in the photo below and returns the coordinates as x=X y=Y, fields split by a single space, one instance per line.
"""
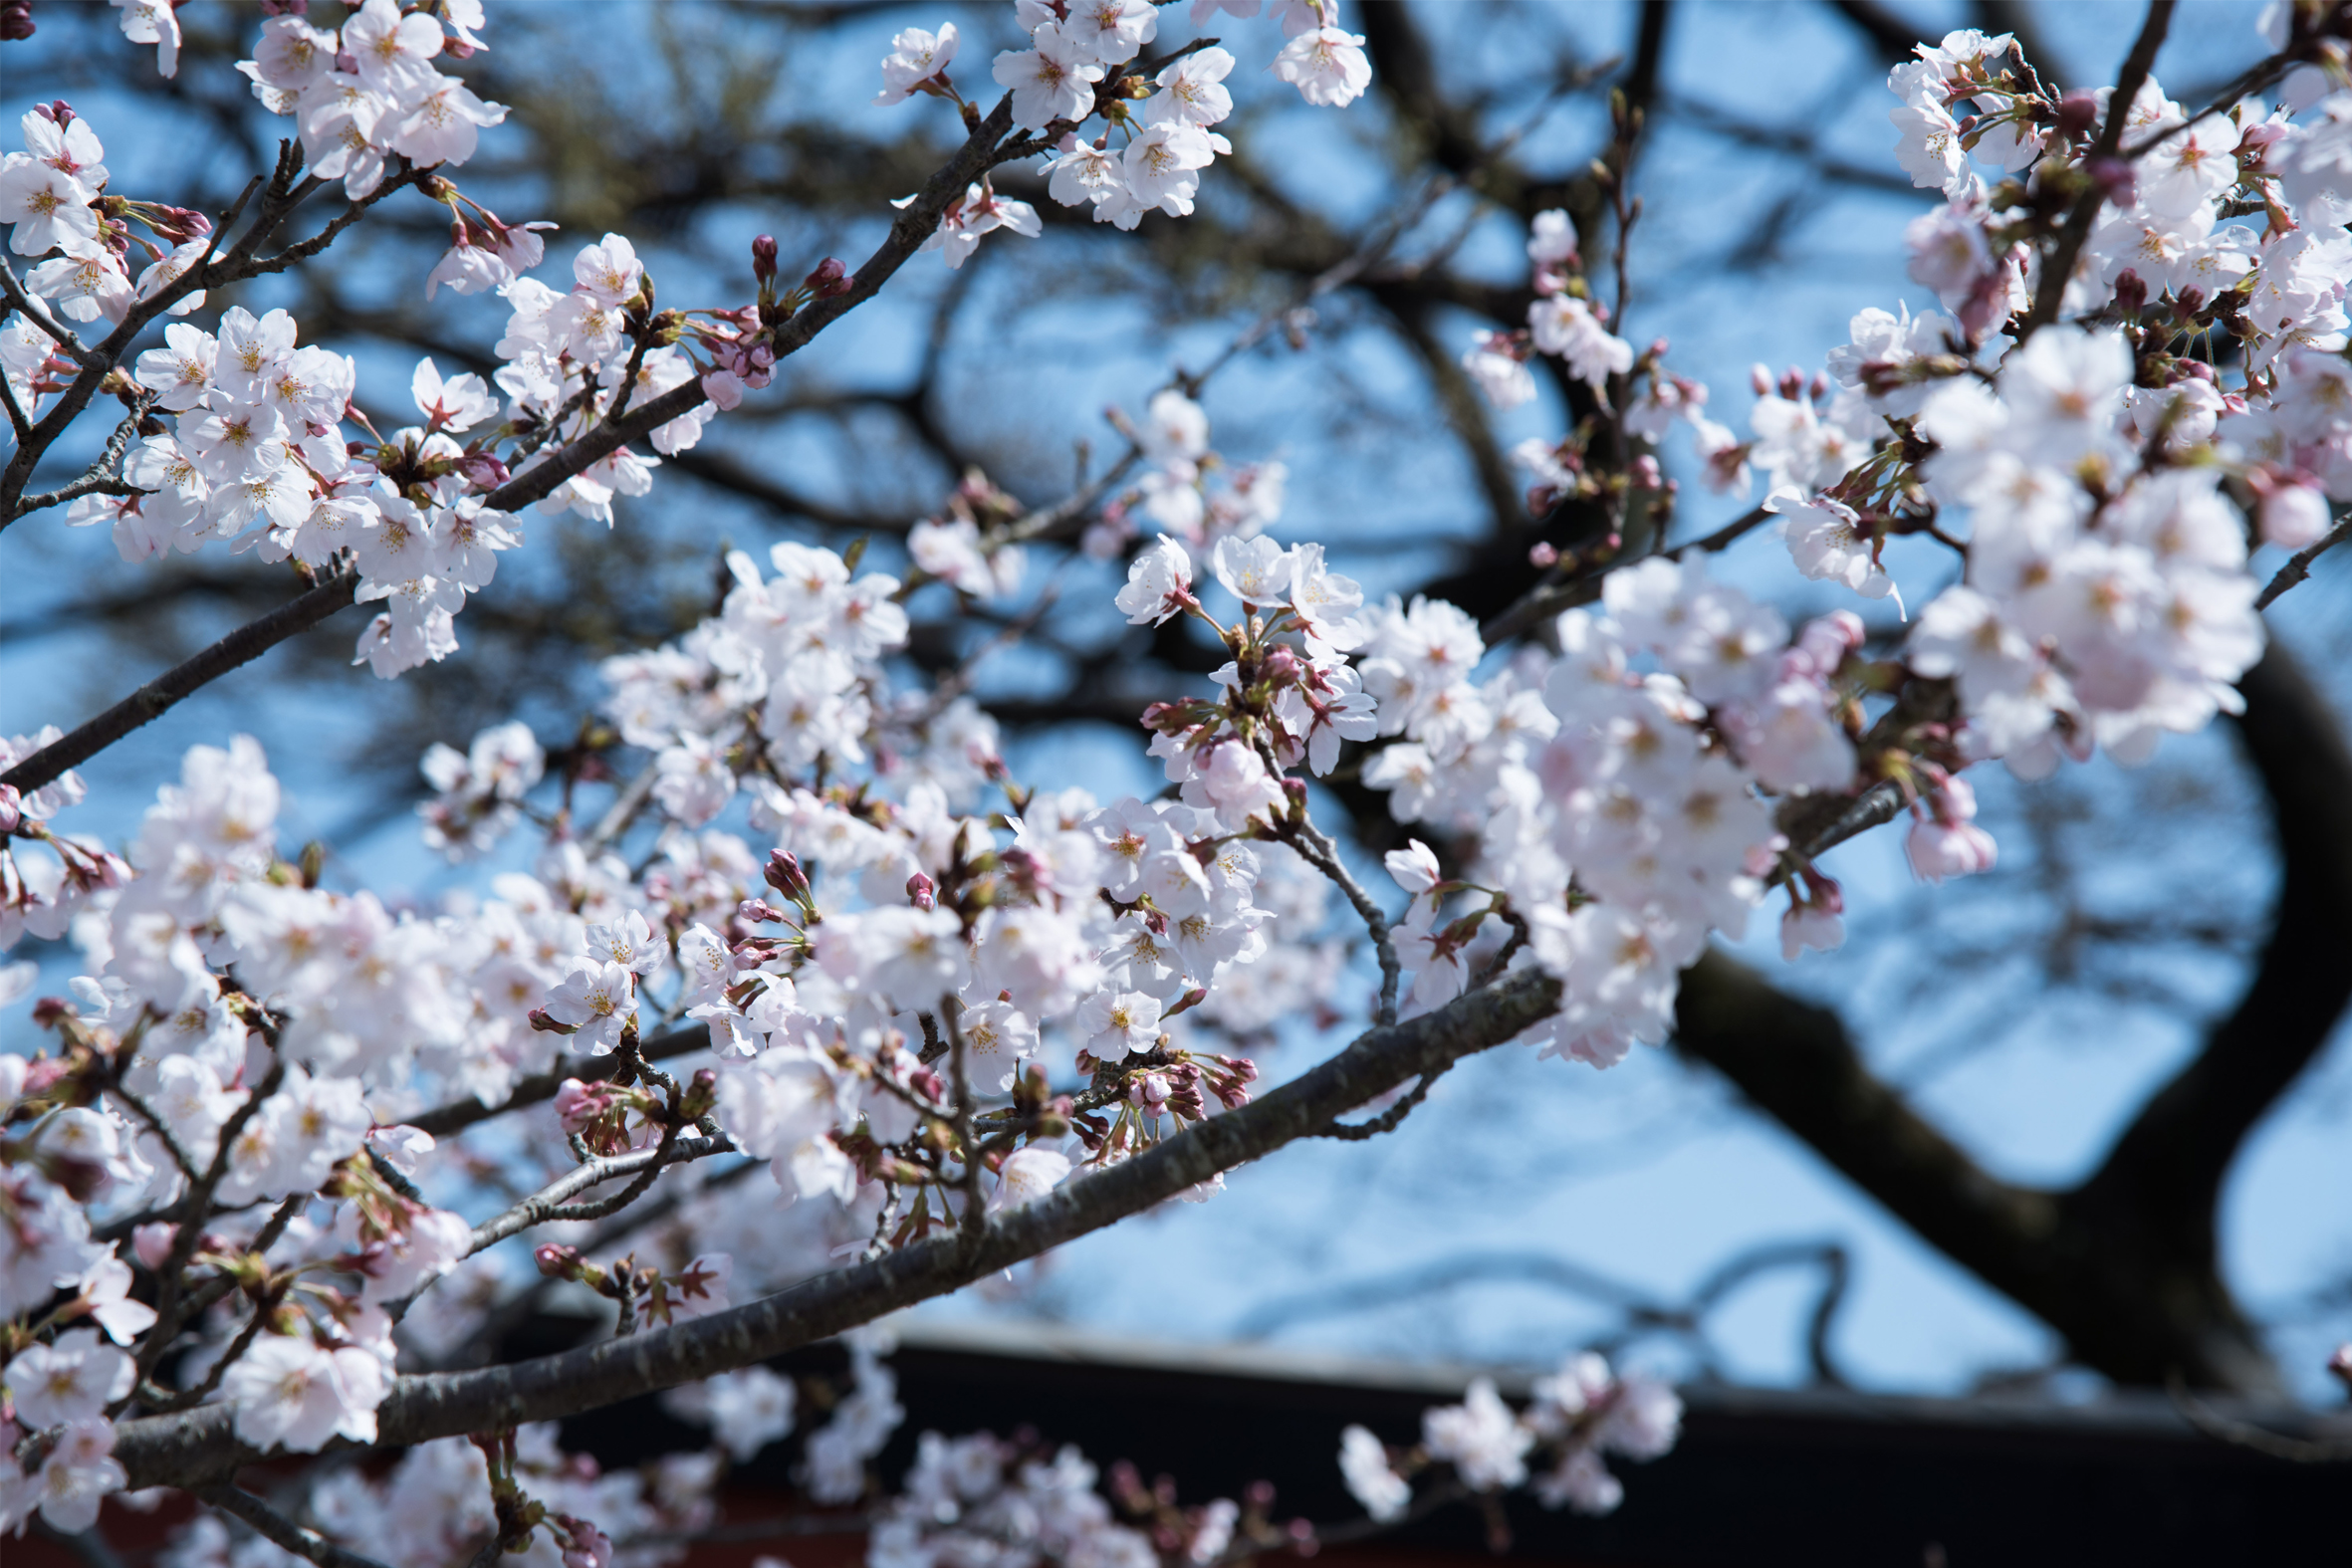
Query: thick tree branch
x=242 y=646
x=200 y=1446
x=2125 y=1265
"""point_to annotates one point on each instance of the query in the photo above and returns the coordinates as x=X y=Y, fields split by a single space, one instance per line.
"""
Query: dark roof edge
x=2129 y=1413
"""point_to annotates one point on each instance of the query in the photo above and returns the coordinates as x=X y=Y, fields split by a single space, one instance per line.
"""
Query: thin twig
x=1318 y=850
x=2298 y=565
x=2057 y=267
x=2246 y=1434
x=960 y=1083
x=102 y=478
x=552 y=1203
x=457 y=1115
x=274 y=1527
x=623 y=810
x=189 y=1215
x=1388 y=1120
x=1550 y=598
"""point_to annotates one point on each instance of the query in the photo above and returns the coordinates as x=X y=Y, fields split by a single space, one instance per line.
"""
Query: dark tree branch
x=242 y=646
x=197 y=1447
x=2125 y=1265
x=274 y=1527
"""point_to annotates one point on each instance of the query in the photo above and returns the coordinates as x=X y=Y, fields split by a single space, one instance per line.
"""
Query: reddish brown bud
x=831 y=279
x=784 y=874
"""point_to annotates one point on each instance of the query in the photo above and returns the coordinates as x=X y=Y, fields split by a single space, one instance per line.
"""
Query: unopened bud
x=2131 y=292
x=2078 y=112
x=784 y=874
x=2116 y=179
x=1542 y=554
x=546 y=1025
x=922 y=892
x=152 y=1243
x=756 y=912
x=556 y=1261
x=483 y=471
x=831 y=279
x=764 y=258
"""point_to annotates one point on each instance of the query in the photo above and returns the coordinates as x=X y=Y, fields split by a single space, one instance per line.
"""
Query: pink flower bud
x=577 y=1103
x=556 y=1261
x=784 y=874
x=2131 y=292
x=2078 y=114
x=483 y=471
x=756 y=912
x=2293 y=511
x=830 y=280
x=152 y=1243
x=1544 y=555
x=764 y=258
x=922 y=892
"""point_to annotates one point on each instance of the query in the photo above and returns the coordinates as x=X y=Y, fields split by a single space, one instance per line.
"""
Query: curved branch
x=2171 y=1160
x=2125 y=1265
x=196 y=1446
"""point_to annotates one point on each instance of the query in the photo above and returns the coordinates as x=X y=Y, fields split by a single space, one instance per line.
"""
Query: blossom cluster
x=1188 y=491
x=1080 y=63
x=1578 y=1414
x=257 y=453
x=1616 y=815
x=2106 y=478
